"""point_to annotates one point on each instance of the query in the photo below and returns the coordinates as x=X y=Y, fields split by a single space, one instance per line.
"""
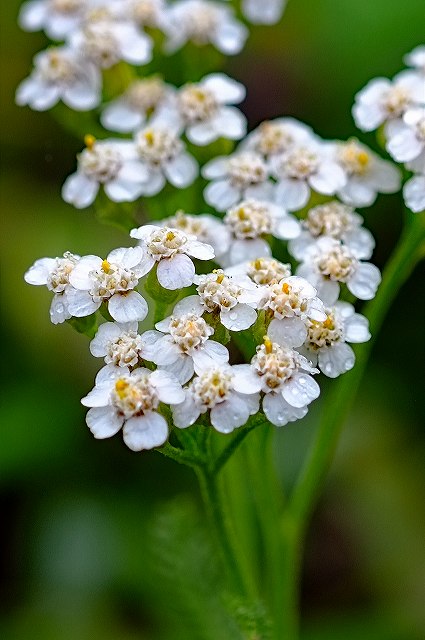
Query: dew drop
x=233 y=316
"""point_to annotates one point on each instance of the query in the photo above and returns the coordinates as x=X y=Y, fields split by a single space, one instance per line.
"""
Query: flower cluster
x=164 y=310
x=398 y=107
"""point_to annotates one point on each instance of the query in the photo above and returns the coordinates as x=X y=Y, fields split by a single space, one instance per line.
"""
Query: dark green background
x=86 y=525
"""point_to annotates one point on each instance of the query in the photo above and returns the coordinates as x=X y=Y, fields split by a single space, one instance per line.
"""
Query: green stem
x=233 y=564
x=240 y=435
x=338 y=403
x=179 y=455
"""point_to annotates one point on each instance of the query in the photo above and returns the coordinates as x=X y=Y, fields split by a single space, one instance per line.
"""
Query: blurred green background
x=101 y=543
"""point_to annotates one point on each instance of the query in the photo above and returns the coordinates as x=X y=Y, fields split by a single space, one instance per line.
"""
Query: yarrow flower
x=109 y=163
x=283 y=375
x=233 y=299
x=250 y=222
x=366 y=173
x=275 y=137
x=163 y=157
x=242 y=175
x=334 y=220
x=207 y=228
x=205 y=109
x=204 y=22
x=61 y=73
x=58 y=18
x=171 y=250
x=182 y=344
x=326 y=342
x=130 y=400
x=213 y=389
x=406 y=137
x=262 y=271
x=263 y=12
x=54 y=273
x=328 y=262
x=119 y=344
x=143 y=98
x=112 y=281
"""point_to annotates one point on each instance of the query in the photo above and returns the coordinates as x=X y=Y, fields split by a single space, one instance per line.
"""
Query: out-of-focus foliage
x=101 y=543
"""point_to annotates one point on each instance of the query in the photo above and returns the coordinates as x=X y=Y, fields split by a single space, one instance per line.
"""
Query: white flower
x=58 y=18
x=326 y=343
x=249 y=222
x=170 y=249
x=406 y=137
x=104 y=39
x=54 y=273
x=241 y=175
x=367 y=174
x=145 y=13
x=185 y=347
x=143 y=98
x=205 y=111
x=382 y=99
x=110 y=163
x=119 y=343
x=161 y=152
x=263 y=11
x=283 y=375
x=302 y=168
x=204 y=22
x=131 y=400
x=335 y=220
x=291 y=302
x=205 y=227
x=112 y=281
x=328 y=262
x=416 y=58
x=213 y=390
x=262 y=271
x=274 y=137
x=232 y=298
x=60 y=73
x=414 y=193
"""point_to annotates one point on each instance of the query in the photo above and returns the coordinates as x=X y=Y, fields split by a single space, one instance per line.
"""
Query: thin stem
x=179 y=455
x=341 y=396
x=240 y=435
x=232 y=562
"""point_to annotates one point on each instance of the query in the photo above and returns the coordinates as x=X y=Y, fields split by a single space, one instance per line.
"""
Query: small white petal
x=279 y=412
x=176 y=272
x=40 y=271
x=103 y=422
x=181 y=171
x=357 y=328
x=365 y=281
x=79 y=190
x=288 y=332
x=186 y=413
x=221 y=194
x=292 y=194
x=337 y=359
x=245 y=379
x=167 y=387
x=300 y=390
x=230 y=414
x=227 y=91
x=59 y=311
x=145 y=432
x=81 y=304
x=239 y=318
x=127 y=307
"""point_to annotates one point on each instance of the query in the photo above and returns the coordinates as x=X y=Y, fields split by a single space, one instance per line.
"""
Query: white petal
x=216 y=351
x=136 y=47
x=300 y=390
x=230 y=414
x=414 y=193
x=202 y=133
x=216 y=168
x=79 y=276
x=176 y=272
x=160 y=349
x=145 y=432
x=59 y=311
x=40 y=271
x=99 y=396
x=79 y=190
x=167 y=387
x=221 y=195
x=230 y=123
x=200 y=250
x=108 y=331
x=245 y=379
x=190 y=304
x=365 y=281
x=328 y=291
x=119 y=116
x=120 y=190
x=182 y=368
x=33 y=15
x=243 y=250
x=103 y=422
x=337 y=359
x=226 y=90
x=126 y=307
x=356 y=328
x=288 y=332
x=279 y=412
x=292 y=194
x=181 y=171
x=329 y=179
x=128 y=257
x=230 y=37
x=239 y=318
x=82 y=96
x=186 y=413
x=81 y=304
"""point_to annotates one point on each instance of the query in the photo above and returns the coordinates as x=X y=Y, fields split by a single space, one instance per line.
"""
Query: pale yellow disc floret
x=134 y=396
